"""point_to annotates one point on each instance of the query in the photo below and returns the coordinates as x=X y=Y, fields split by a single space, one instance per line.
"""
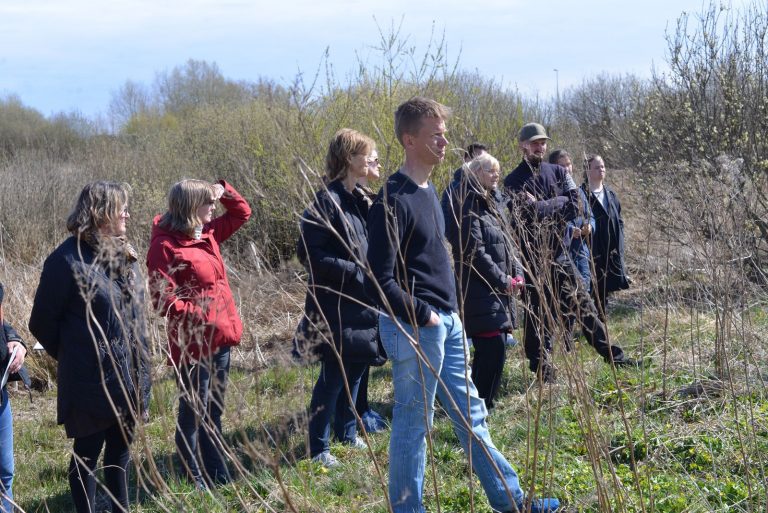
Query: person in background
x=87 y=314
x=608 y=237
x=419 y=327
x=9 y=341
x=189 y=285
x=577 y=234
x=338 y=316
x=488 y=272
x=580 y=227
x=544 y=198
x=372 y=420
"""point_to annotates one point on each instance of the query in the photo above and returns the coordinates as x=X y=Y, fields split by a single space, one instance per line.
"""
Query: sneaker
x=326 y=459
x=546 y=373
x=373 y=422
x=628 y=362
x=510 y=341
x=357 y=443
x=549 y=505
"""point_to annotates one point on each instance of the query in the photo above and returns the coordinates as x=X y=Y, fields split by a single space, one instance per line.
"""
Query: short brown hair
x=99 y=204
x=345 y=144
x=409 y=114
x=184 y=198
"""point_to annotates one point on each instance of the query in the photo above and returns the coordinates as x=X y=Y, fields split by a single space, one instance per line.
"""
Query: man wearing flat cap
x=544 y=197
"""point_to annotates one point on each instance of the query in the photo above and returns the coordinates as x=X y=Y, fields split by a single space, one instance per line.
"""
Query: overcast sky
x=70 y=55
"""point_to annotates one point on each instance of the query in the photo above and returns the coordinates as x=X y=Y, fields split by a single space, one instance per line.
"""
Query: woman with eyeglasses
x=488 y=272
x=372 y=420
x=340 y=324
x=87 y=314
x=189 y=285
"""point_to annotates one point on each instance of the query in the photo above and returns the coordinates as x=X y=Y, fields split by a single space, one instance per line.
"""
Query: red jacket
x=189 y=284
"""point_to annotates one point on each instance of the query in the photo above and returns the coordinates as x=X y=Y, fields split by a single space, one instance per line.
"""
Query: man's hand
x=586 y=230
x=18 y=361
x=530 y=197
x=434 y=319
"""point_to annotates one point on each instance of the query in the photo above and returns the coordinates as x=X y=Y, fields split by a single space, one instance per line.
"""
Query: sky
x=72 y=55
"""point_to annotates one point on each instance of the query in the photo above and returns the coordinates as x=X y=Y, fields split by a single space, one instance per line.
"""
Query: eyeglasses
x=373 y=162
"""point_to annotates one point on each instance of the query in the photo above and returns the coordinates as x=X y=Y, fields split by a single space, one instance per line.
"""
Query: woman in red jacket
x=190 y=287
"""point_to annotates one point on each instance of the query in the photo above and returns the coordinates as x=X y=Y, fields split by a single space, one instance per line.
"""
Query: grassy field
x=629 y=440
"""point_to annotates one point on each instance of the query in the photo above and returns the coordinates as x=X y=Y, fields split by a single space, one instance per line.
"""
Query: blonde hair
x=345 y=144
x=483 y=162
x=184 y=199
x=99 y=204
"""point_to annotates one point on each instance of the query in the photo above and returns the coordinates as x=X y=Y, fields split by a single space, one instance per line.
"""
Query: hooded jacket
x=189 y=284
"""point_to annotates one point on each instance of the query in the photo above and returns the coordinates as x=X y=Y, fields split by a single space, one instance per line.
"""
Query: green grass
x=670 y=453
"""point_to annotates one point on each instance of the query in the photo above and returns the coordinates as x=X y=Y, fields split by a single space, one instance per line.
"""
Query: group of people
x=88 y=314
x=382 y=284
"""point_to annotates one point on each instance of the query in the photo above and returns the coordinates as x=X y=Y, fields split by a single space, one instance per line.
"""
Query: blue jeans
x=198 y=430
x=328 y=396
x=6 y=453
x=415 y=387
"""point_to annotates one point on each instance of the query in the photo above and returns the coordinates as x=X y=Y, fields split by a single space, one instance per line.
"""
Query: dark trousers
x=329 y=396
x=488 y=365
x=198 y=431
x=82 y=467
x=361 y=402
x=599 y=295
x=573 y=304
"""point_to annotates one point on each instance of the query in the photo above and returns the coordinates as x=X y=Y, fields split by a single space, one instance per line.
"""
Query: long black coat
x=483 y=253
x=337 y=308
x=608 y=242
x=89 y=317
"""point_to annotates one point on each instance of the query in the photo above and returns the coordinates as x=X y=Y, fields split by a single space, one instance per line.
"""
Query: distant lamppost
x=557 y=85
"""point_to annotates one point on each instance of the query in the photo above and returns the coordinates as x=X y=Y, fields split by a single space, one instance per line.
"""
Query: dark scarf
x=116 y=255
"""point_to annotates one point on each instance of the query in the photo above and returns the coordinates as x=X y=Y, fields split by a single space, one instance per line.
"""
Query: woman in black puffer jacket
x=488 y=272
x=338 y=317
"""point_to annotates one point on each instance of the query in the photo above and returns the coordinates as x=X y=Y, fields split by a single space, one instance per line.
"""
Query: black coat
x=89 y=317
x=540 y=224
x=607 y=242
x=337 y=308
x=484 y=256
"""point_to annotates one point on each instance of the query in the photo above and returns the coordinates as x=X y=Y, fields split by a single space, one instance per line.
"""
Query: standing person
x=9 y=341
x=372 y=420
x=87 y=314
x=576 y=240
x=421 y=331
x=544 y=197
x=488 y=273
x=608 y=236
x=189 y=286
x=580 y=227
x=337 y=311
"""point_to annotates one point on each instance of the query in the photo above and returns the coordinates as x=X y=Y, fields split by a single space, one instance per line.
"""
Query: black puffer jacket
x=88 y=315
x=483 y=253
x=337 y=308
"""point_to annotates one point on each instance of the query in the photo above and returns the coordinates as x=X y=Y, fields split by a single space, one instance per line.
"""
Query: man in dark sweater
x=544 y=197
x=419 y=327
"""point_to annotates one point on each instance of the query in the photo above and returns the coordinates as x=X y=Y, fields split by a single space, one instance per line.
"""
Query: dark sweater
x=406 y=251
